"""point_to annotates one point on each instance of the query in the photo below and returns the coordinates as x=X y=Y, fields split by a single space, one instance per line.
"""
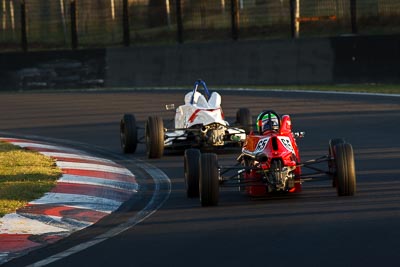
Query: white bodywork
x=209 y=114
x=200 y=112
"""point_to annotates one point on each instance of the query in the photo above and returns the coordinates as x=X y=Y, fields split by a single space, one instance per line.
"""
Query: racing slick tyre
x=209 y=182
x=192 y=172
x=345 y=169
x=243 y=118
x=331 y=163
x=154 y=133
x=128 y=133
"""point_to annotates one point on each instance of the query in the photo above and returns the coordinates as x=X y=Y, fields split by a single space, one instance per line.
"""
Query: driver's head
x=268 y=122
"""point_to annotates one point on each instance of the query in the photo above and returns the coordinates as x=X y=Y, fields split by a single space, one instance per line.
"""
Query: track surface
x=315 y=228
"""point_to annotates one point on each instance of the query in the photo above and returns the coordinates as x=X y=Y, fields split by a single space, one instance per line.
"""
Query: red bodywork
x=274 y=146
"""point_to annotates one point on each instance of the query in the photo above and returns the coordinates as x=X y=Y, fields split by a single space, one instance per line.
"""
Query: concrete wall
x=352 y=59
x=52 y=69
x=366 y=59
x=233 y=63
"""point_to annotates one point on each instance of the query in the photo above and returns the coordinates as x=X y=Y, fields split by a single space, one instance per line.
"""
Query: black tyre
x=333 y=143
x=154 y=133
x=345 y=169
x=209 y=182
x=243 y=118
x=192 y=172
x=128 y=133
x=331 y=163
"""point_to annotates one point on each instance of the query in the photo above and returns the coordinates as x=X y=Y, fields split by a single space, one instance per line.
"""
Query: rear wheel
x=154 y=134
x=243 y=118
x=128 y=133
x=209 y=182
x=192 y=172
x=331 y=163
x=333 y=143
x=345 y=169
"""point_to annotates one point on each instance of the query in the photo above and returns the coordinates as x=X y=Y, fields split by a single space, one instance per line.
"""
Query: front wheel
x=209 y=180
x=192 y=172
x=128 y=133
x=154 y=134
x=345 y=170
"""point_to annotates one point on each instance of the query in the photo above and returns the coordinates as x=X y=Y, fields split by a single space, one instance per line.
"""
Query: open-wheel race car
x=199 y=123
x=269 y=163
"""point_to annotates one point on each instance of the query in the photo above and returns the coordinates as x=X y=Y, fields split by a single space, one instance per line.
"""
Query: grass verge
x=374 y=88
x=347 y=88
x=358 y=88
x=24 y=176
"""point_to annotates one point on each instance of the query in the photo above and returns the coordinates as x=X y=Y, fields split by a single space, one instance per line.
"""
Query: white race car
x=197 y=123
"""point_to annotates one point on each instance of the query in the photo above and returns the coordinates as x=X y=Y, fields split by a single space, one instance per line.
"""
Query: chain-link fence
x=63 y=24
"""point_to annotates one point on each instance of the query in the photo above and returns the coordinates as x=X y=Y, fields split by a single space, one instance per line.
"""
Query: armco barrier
x=350 y=59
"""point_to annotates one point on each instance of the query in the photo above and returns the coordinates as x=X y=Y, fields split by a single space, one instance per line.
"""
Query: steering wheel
x=196 y=87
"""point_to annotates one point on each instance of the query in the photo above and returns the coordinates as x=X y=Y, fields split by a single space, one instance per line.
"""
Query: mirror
x=170 y=106
x=299 y=134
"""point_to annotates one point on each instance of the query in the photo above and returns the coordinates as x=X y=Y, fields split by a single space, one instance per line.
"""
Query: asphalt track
x=314 y=228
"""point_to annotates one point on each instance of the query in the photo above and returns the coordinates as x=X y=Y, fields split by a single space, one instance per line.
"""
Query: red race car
x=269 y=163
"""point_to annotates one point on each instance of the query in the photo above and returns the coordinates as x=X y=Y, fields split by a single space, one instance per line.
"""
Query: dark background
x=128 y=43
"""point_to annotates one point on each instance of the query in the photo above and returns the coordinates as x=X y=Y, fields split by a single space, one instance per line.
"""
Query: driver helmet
x=266 y=125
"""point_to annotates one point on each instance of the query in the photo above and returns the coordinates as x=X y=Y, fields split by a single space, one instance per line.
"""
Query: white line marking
x=93 y=167
x=79 y=201
x=77 y=179
x=75 y=156
x=14 y=223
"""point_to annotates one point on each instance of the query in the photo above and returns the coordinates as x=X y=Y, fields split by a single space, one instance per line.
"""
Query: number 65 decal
x=261 y=144
x=286 y=142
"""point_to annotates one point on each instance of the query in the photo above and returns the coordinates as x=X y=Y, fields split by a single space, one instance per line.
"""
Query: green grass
x=24 y=176
x=361 y=88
